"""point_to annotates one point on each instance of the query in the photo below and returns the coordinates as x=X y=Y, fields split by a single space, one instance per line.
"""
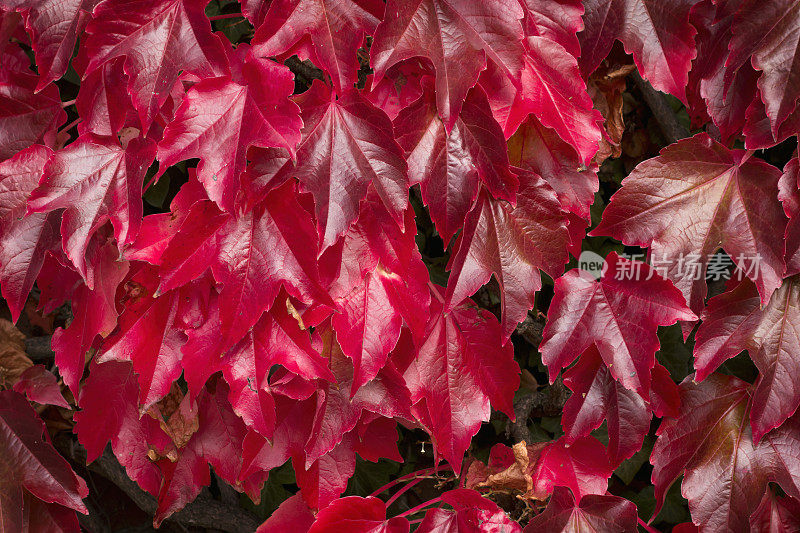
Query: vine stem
x=67 y=103
x=421 y=506
x=226 y=16
x=70 y=125
x=407 y=477
x=400 y=492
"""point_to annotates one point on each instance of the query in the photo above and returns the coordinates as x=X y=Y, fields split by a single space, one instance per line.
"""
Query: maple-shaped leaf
x=158 y=39
x=707 y=92
x=54 y=28
x=338 y=411
x=40 y=386
x=221 y=117
x=24 y=240
x=597 y=396
x=336 y=27
x=513 y=243
x=147 y=335
x=458 y=36
x=347 y=144
x=94 y=313
x=382 y=284
x=565 y=514
x=658 y=34
x=26 y=117
x=471 y=512
x=766 y=36
x=103 y=102
x=539 y=149
x=552 y=90
x=780 y=515
x=252 y=256
x=357 y=514
x=735 y=321
x=695 y=198
x=94 y=180
x=293 y=512
x=452 y=404
x=620 y=316
x=30 y=464
x=109 y=403
x=724 y=473
x=451 y=166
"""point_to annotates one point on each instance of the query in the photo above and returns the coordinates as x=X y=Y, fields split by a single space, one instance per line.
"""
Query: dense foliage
x=304 y=250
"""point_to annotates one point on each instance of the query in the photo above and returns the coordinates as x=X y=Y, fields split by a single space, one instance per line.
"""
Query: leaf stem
x=421 y=507
x=70 y=125
x=67 y=103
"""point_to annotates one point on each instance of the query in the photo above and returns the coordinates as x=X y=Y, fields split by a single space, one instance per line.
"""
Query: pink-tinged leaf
x=95 y=180
x=30 y=463
x=103 y=103
x=336 y=27
x=337 y=412
x=359 y=515
x=597 y=396
x=271 y=246
x=148 y=337
x=26 y=117
x=619 y=316
x=292 y=515
x=399 y=87
x=695 y=198
x=453 y=403
x=665 y=396
x=451 y=166
x=24 y=240
x=54 y=28
x=735 y=321
x=471 y=513
x=220 y=118
x=326 y=479
x=757 y=130
x=40 y=386
x=658 y=34
x=789 y=195
x=348 y=144
x=458 y=37
x=539 y=149
x=94 y=313
x=591 y=513
x=512 y=243
x=552 y=90
x=724 y=473
x=766 y=36
x=556 y=20
x=110 y=412
x=158 y=39
x=776 y=515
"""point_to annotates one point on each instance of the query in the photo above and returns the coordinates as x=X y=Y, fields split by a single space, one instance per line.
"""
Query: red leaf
x=26 y=117
x=220 y=118
x=452 y=404
x=590 y=513
x=336 y=28
x=471 y=513
x=31 y=464
x=658 y=34
x=621 y=317
x=694 y=198
x=95 y=180
x=292 y=515
x=158 y=39
x=459 y=37
x=110 y=412
x=597 y=396
x=734 y=321
x=40 y=386
x=583 y=466
x=236 y=250
x=780 y=515
x=359 y=515
x=24 y=240
x=512 y=243
x=347 y=145
x=450 y=166
x=103 y=103
x=710 y=444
